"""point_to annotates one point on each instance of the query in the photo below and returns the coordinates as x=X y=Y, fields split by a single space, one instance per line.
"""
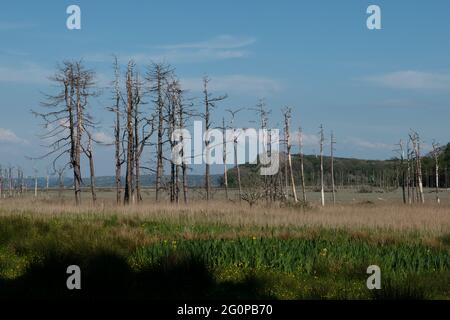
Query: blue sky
x=369 y=87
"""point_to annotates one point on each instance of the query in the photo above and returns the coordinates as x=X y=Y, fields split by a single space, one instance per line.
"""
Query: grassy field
x=224 y=250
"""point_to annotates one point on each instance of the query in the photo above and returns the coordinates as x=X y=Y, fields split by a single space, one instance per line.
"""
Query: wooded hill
x=352 y=171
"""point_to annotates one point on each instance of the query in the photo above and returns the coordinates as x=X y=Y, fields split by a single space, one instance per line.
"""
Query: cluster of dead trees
x=137 y=127
x=148 y=107
x=410 y=163
x=13 y=182
x=282 y=186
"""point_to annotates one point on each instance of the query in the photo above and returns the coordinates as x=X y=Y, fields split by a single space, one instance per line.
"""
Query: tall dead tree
x=183 y=112
x=90 y=155
x=401 y=153
x=116 y=110
x=287 y=121
x=1 y=182
x=408 y=172
x=332 y=143
x=225 y=160
x=130 y=114
x=415 y=139
x=139 y=141
x=172 y=111
x=210 y=103
x=158 y=75
x=266 y=143
x=436 y=152
x=68 y=119
x=322 y=191
x=235 y=145
x=302 y=171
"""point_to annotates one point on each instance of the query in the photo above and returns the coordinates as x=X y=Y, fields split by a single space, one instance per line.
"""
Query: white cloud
x=219 y=42
x=24 y=73
x=415 y=80
x=238 y=83
x=218 y=48
x=103 y=137
x=7 y=135
x=369 y=144
x=309 y=140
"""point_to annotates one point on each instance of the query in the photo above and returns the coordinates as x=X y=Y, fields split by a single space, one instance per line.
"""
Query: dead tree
x=225 y=160
x=90 y=155
x=415 y=139
x=302 y=171
x=130 y=113
x=322 y=192
x=1 y=182
x=20 y=182
x=210 y=103
x=263 y=118
x=10 y=181
x=158 y=75
x=183 y=111
x=68 y=119
x=436 y=152
x=235 y=145
x=287 y=120
x=172 y=111
x=332 y=143
x=116 y=110
x=408 y=172
x=401 y=153
x=138 y=145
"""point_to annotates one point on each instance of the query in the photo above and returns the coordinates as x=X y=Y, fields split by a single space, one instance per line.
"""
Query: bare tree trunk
x=225 y=169
x=183 y=163
x=207 y=125
x=1 y=182
x=438 y=200
x=238 y=170
x=117 y=130
x=35 y=184
x=332 y=143
x=210 y=104
x=79 y=132
x=177 y=184
x=90 y=156
x=185 y=183
x=130 y=136
x=302 y=172
x=414 y=136
x=401 y=152
x=436 y=153
x=137 y=154
x=287 y=119
x=322 y=192
x=159 y=146
x=408 y=174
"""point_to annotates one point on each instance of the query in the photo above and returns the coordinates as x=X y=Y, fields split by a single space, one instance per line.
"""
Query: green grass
x=138 y=258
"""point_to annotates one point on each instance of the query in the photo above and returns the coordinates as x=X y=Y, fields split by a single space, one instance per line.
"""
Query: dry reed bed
x=428 y=218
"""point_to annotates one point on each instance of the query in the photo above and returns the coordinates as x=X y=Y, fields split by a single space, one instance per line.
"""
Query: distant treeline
x=354 y=172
